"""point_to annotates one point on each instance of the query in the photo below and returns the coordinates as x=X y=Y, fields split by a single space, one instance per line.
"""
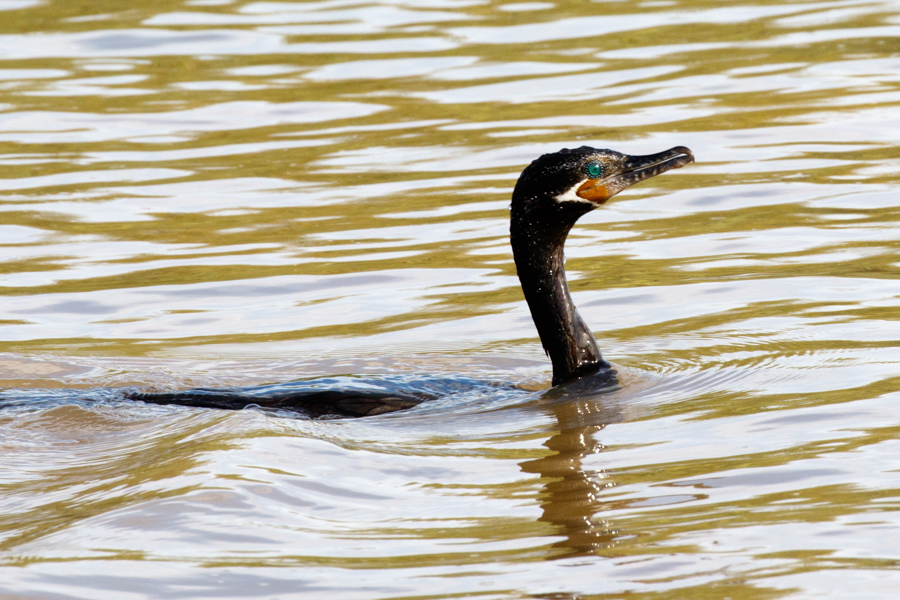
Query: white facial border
x=570 y=195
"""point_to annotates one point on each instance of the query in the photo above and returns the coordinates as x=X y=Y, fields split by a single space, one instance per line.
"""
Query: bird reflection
x=573 y=496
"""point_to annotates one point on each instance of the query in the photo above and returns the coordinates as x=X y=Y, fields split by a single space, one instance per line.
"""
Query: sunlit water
x=216 y=193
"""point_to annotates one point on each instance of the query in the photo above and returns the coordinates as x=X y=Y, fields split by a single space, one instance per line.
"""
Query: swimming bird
x=552 y=193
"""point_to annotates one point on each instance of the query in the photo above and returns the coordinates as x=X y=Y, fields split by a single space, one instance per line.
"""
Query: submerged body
x=552 y=193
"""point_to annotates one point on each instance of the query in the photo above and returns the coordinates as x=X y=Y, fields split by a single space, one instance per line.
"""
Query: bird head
x=586 y=177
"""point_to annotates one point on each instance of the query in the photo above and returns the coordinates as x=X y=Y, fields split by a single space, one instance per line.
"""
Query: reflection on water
x=225 y=193
x=573 y=495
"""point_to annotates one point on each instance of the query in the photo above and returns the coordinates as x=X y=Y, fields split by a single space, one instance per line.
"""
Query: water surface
x=217 y=193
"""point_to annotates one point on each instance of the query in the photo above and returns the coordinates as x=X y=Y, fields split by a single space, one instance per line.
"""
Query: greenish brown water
x=222 y=193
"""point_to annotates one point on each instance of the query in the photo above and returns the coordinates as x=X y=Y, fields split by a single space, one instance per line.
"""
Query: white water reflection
x=35 y=127
x=600 y=25
x=229 y=42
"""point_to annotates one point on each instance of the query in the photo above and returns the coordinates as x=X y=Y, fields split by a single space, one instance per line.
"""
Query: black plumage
x=552 y=193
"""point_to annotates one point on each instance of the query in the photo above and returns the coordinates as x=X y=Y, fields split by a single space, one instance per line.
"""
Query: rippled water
x=225 y=193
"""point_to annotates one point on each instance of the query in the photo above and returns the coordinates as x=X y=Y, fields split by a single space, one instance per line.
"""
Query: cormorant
x=552 y=193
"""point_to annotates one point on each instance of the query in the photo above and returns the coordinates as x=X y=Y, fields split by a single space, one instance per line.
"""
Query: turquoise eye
x=594 y=170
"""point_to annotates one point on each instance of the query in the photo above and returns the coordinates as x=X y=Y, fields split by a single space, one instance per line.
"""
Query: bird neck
x=538 y=252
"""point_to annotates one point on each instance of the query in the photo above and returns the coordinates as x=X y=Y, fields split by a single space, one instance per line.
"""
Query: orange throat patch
x=593 y=190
